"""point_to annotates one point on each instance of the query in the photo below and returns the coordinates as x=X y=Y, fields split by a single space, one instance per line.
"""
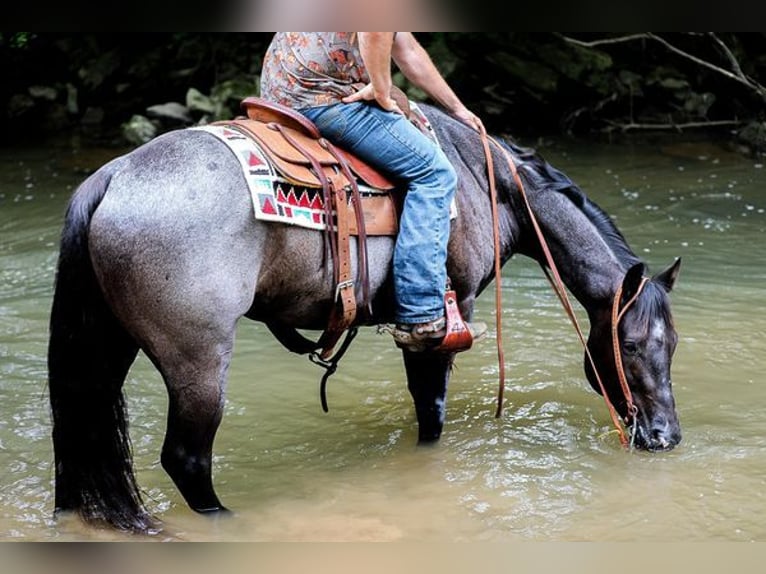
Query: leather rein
x=558 y=286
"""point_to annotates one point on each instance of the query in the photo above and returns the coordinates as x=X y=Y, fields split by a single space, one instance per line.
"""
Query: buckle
x=343 y=285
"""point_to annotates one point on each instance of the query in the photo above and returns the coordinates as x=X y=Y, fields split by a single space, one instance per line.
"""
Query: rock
x=92 y=116
x=139 y=130
x=56 y=117
x=753 y=137
x=43 y=93
x=227 y=96
x=171 y=112
x=196 y=101
x=19 y=104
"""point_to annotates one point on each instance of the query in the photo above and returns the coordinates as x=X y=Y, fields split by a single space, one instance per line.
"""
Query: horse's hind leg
x=196 y=389
x=427 y=379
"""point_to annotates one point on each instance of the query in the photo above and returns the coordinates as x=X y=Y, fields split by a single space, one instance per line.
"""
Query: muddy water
x=550 y=469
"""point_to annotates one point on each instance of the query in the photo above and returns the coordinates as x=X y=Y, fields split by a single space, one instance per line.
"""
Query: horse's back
x=174 y=183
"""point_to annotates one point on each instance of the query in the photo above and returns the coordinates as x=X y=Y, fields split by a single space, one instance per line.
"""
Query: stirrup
x=449 y=334
x=460 y=335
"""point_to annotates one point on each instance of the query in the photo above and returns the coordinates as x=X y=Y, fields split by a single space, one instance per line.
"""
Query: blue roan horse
x=160 y=252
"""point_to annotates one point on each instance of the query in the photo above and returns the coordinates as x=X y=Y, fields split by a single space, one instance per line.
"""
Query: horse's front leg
x=427 y=378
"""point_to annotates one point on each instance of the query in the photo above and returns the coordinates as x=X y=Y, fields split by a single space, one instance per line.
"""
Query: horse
x=160 y=253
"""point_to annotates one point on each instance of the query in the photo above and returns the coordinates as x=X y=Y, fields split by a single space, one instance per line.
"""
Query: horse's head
x=646 y=340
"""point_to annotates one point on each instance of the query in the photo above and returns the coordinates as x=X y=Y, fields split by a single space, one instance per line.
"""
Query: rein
x=498 y=266
x=558 y=287
x=617 y=314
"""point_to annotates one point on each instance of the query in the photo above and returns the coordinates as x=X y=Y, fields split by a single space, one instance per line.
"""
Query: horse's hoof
x=429 y=439
x=220 y=510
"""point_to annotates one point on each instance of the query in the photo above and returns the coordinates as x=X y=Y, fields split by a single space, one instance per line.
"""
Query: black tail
x=89 y=355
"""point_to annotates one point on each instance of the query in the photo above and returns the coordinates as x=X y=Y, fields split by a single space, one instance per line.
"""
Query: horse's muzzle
x=656 y=438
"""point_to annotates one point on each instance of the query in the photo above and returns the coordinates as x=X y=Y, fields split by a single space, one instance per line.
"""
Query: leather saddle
x=300 y=154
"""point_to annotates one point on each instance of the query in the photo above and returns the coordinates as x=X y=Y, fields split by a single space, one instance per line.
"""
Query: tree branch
x=728 y=53
x=737 y=75
x=603 y=41
x=671 y=126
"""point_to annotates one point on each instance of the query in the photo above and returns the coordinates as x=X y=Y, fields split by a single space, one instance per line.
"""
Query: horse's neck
x=587 y=265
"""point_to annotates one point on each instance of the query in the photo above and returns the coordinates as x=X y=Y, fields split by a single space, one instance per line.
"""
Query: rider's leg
x=389 y=142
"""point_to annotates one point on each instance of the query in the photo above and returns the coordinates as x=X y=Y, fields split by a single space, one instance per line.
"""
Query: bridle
x=558 y=286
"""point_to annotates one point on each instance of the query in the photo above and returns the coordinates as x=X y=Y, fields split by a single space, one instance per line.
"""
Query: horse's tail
x=89 y=355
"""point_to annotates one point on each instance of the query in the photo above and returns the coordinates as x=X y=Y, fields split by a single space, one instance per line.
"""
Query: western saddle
x=303 y=157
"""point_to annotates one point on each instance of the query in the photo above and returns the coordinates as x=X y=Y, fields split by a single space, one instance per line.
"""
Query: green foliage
x=16 y=40
x=518 y=82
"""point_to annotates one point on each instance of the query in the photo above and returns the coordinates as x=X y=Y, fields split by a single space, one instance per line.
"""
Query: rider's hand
x=367 y=93
x=469 y=118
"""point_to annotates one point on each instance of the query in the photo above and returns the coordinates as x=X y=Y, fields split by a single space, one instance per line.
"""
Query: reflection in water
x=550 y=469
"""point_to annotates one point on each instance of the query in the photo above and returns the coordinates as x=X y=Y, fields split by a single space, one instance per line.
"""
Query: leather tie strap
x=328 y=166
x=327 y=196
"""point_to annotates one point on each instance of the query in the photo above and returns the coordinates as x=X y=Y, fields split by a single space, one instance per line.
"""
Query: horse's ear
x=668 y=277
x=632 y=282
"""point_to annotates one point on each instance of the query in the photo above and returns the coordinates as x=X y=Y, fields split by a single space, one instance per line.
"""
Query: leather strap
x=361 y=232
x=498 y=269
x=334 y=182
x=341 y=316
x=327 y=195
x=558 y=286
x=335 y=199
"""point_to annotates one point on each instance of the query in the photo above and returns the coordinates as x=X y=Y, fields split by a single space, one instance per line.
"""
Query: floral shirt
x=306 y=69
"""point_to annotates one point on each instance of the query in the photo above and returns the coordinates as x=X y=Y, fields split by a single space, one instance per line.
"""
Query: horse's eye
x=629 y=347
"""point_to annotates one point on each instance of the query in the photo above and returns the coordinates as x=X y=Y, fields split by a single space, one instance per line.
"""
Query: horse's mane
x=547 y=178
x=653 y=303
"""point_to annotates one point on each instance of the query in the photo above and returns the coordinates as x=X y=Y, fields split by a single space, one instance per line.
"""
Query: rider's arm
x=375 y=48
x=416 y=65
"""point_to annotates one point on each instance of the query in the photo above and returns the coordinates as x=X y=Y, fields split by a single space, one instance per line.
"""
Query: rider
x=342 y=82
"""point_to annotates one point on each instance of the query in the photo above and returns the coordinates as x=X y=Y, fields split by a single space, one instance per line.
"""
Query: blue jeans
x=390 y=143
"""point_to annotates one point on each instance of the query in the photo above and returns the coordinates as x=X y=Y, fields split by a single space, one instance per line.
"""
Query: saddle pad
x=277 y=199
